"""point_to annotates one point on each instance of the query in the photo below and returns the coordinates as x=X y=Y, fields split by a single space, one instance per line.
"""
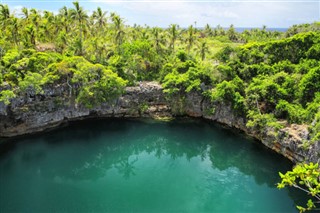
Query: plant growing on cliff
x=6 y=96
x=259 y=122
x=305 y=177
x=107 y=88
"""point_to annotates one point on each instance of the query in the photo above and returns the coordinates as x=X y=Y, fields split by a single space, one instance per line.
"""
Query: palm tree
x=64 y=15
x=158 y=38
x=135 y=32
x=118 y=27
x=4 y=16
x=15 y=29
x=35 y=18
x=190 y=38
x=219 y=31
x=173 y=33
x=4 y=12
x=48 y=27
x=79 y=15
x=61 y=41
x=203 y=49
x=100 y=18
x=208 y=30
x=30 y=30
x=25 y=13
x=232 y=33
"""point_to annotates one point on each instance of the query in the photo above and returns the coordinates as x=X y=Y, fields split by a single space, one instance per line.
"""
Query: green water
x=141 y=166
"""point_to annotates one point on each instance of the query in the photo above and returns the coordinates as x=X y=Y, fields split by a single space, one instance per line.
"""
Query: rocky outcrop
x=34 y=113
x=293 y=141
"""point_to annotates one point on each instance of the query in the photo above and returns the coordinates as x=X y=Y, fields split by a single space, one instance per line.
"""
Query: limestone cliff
x=291 y=141
x=34 y=113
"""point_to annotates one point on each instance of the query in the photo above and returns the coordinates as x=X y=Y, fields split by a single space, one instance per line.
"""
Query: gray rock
x=29 y=113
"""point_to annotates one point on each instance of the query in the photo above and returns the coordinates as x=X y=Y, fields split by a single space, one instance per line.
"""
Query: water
x=142 y=166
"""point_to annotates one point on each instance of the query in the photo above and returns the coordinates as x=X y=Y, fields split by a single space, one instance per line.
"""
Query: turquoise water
x=141 y=166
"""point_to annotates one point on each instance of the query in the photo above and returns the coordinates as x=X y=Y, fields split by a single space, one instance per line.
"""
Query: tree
x=4 y=13
x=203 y=49
x=232 y=33
x=208 y=30
x=173 y=33
x=118 y=29
x=64 y=15
x=309 y=85
x=30 y=30
x=25 y=13
x=5 y=16
x=305 y=177
x=100 y=19
x=190 y=38
x=35 y=18
x=158 y=38
x=79 y=15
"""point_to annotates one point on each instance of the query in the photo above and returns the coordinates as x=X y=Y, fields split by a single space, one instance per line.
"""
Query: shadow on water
x=94 y=147
x=224 y=147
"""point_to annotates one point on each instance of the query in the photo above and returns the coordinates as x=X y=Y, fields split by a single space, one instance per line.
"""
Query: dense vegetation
x=270 y=78
x=266 y=76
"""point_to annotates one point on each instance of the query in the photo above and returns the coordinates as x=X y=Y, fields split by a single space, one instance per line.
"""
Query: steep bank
x=34 y=113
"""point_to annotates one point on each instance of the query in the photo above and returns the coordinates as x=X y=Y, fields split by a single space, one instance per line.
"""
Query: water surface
x=141 y=166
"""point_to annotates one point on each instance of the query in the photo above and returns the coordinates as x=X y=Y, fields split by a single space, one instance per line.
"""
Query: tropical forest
x=173 y=119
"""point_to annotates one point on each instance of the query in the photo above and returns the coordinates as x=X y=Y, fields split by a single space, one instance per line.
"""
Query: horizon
x=162 y=13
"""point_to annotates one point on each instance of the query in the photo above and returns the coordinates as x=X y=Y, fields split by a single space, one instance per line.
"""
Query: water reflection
x=126 y=167
x=92 y=151
x=89 y=152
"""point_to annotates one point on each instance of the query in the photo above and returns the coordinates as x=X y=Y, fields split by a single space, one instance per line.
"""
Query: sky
x=162 y=13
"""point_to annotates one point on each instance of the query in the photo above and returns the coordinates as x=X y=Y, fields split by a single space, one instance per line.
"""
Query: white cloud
x=17 y=9
x=246 y=13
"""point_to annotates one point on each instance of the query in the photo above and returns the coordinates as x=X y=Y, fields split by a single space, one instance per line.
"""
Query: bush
x=259 y=122
x=306 y=178
x=6 y=96
x=309 y=85
x=294 y=113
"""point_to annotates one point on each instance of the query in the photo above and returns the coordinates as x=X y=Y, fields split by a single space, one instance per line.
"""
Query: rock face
x=291 y=141
x=35 y=113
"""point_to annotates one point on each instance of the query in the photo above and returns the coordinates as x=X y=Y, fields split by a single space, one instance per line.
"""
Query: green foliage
x=315 y=127
x=106 y=89
x=284 y=66
x=306 y=178
x=96 y=83
x=224 y=55
x=185 y=77
x=141 y=59
x=264 y=90
x=143 y=107
x=292 y=49
x=259 y=122
x=309 y=85
x=314 y=52
x=295 y=29
x=250 y=71
x=39 y=61
x=6 y=96
x=226 y=71
x=294 y=113
x=230 y=92
x=31 y=83
x=28 y=71
x=263 y=75
x=10 y=58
